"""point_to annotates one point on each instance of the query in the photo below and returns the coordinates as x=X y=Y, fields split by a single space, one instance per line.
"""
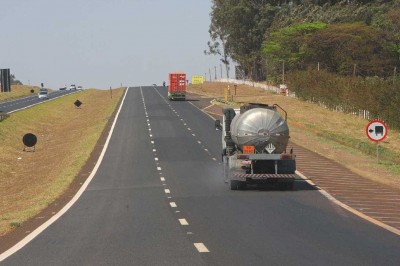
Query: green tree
x=14 y=81
x=288 y=45
x=353 y=48
x=219 y=34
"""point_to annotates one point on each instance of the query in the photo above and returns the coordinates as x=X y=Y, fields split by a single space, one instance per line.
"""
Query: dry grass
x=334 y=135
x=18 y=91
x=30 y=181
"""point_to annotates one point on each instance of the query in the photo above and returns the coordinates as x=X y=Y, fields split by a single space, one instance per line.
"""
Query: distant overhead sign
x=377 y=130
x=197 y=79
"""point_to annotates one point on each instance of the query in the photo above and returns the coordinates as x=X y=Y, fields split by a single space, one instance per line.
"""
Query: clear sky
x=103 y=43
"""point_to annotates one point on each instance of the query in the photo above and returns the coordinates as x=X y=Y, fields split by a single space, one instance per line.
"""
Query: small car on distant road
x=72 y=87
x=63 y=88
x=43 y=94
x=80 y=88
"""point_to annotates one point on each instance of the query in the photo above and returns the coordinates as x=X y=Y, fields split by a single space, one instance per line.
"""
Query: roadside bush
x=381 y=97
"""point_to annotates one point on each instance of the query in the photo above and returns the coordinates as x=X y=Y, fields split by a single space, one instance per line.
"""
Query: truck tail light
x=286 y=156
x=243 y=156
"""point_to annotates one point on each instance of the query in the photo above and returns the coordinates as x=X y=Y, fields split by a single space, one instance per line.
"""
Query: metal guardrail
x=3 y=116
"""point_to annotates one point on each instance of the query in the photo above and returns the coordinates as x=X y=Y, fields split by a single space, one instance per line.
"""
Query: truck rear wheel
x=238 y=185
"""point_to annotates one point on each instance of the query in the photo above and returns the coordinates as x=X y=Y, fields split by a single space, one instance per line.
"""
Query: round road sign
x=29 y=140
x=377 y=130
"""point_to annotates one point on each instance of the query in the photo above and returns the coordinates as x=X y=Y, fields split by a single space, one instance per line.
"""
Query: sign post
x=377 y=131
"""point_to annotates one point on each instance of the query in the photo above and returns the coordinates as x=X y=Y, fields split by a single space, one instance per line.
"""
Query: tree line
x=355 y=40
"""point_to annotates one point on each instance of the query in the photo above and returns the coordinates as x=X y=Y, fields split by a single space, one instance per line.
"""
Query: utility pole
x=318 y=66
x=215 y=71
x=283 y=72
x=209 y=72
x=220 y=66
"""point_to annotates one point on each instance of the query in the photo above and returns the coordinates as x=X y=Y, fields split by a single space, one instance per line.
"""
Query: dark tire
x=238 y=185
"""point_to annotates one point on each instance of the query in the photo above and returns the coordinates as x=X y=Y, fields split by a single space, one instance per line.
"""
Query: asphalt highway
x=158 y=198
x=21 y=103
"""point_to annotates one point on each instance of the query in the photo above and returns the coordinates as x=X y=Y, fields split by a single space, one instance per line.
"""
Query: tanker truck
x=254 y=142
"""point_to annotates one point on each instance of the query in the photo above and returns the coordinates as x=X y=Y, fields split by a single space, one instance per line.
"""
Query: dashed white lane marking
x=162 y=179
x=201 y=247
x=152 y=142
x=206 y=149
x=167 y=191
x=151 y=136
x=173 y=204
x=183 y=222
x=154 y=150
x=158 y=168
x=156 y=159
x=214 y=159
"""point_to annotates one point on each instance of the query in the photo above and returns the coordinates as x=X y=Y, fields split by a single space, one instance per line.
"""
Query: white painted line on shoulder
x=55 y=217
x=201 y=247
x=173 y=204
x=350 y=209
x=167 y=191
x=183 y=222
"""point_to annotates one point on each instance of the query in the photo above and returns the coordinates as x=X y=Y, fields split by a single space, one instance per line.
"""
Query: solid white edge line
x=350 y=209
x=201 y=247
x=55 y=217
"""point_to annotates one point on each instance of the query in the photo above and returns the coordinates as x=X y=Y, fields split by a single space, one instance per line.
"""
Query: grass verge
x=30 y=181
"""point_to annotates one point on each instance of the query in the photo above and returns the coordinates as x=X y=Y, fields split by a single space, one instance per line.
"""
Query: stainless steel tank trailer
x=254 y=142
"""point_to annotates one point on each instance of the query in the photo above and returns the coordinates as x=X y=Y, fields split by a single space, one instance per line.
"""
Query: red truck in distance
x=177 y=86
